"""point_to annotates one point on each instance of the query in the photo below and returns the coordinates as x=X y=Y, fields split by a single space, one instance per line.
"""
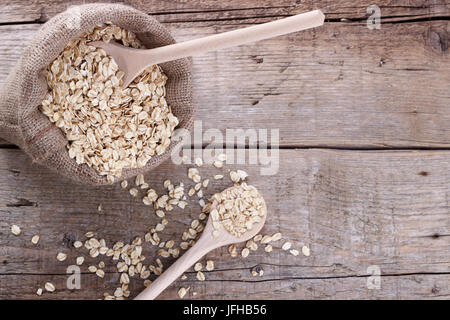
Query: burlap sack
x=23 y=124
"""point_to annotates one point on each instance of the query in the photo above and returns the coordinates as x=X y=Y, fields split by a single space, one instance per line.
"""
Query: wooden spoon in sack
x=134 y=61
x=205 y=244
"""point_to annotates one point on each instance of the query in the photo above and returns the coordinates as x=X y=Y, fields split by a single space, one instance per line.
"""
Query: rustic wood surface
x=341 y=86
x=353 y=209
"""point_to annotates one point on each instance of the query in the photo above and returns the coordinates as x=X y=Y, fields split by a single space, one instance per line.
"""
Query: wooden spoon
x=205 y=244
x=133 y=61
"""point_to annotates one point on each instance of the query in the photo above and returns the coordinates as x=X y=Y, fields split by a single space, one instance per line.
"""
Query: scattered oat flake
x=80 y=260
x=49 y=287
x=160 y=213
x=118 y=292
x=147 y=283
x=200 y=276
x=277 y=236
x=242 y=174
x=198 y=162
x=257 y=238
x=294 y=252
x=222 y=157
x=245 y=252
x=35 y=239
x=218 y=176
x=266 y=239
x=134 y=192
x=78 y=244
x=286 y=246
x=94 y=252
x=209 y=265
x=305 y=250
x=218 y=164
x=39 y=292
x=139 y=179
x=195 y=223
x=234 y=176
x=182 y=292
x=15 y=229
x=124 y=278
x=198 y=266
x=184 y=245
x=61 y=256
x=257 y=271
x=232 y=250
x=168 y=184
x=268 y=248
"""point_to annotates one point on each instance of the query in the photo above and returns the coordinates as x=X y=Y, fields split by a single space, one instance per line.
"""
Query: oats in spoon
x=237 y=209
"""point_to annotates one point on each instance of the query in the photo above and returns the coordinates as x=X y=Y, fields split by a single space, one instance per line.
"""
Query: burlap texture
x=23 y=124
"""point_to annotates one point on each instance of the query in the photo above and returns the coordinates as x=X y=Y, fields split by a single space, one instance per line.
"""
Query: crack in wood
x=385 y=19
x=436 y=236
x=334 y=277
x=21 y=202
x=321 y=147
x=300 y=147
x=260 y=280
x=216 y=10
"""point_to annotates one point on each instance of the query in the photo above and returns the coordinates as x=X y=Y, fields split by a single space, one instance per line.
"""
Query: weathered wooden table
x=364 y=176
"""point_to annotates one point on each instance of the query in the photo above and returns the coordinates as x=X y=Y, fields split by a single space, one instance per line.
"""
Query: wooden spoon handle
x=237 y=37
x=176 y=270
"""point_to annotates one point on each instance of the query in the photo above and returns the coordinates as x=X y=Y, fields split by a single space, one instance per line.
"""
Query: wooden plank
x=396 y=287
x=353 y=209
x=16 y=11
x=342 y=85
